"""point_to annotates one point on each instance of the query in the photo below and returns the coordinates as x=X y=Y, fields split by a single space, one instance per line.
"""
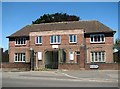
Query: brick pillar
x=82 y=57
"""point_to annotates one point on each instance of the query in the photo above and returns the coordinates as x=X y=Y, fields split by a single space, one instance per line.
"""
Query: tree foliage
x=117 y=44
x=57 y=17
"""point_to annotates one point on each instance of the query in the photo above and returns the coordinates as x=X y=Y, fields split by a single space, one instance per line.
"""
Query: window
x=97 y=38
x=20 y=41
x=39 y=40
x=55 y=39
x=77 y=52
x=98 y=56
x=73 y=39
x=39 y=55
x=19 y=57
x=71 y=55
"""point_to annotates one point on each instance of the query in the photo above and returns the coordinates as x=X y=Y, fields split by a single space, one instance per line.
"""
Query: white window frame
x=55 y=37
x=21 y=39
x=73 y=38
x=38 y=39
x=39 y=55
x=71 y=59
x=93 y=35
x=98 y=56
x=17 y=54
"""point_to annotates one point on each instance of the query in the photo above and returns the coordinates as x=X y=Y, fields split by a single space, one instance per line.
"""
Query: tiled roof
x=91 y=26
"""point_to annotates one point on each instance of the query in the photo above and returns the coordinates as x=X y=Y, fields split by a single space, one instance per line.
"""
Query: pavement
x=84 y=75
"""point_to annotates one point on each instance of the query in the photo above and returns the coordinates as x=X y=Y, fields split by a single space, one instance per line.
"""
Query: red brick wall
x=107 y=47
x=69 y=66
x=64 y=45
x=102 y=66
x=15 y=65
x=105 y=66
x=18 y=49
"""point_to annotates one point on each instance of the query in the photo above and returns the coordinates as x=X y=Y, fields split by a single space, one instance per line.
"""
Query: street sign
x=93 y=66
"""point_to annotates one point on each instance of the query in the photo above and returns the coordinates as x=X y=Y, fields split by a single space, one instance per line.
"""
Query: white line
x=70 y=76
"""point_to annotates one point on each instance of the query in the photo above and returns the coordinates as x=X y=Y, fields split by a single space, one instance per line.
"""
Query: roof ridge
x=64 y=22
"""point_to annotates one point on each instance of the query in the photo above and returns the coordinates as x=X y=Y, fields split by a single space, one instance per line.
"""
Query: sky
x=16 y=15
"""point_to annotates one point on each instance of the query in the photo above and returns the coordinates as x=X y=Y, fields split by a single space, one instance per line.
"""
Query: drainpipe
x=32 y=59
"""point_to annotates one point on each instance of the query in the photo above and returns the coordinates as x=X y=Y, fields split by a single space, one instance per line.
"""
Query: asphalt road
x=60 y=79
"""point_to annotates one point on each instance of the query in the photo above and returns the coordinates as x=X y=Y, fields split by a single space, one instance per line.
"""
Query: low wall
x=104 y=66
x=69 y=66
x=17 y=66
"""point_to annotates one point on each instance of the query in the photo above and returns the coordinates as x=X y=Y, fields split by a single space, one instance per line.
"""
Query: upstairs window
x=19 y=57
x=97 y=38
x=39 y=40
x=20 y=41
x=55 y=39
x=72 y=39
x=98 y=56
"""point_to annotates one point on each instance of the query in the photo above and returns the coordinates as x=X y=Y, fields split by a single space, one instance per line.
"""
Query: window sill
x=55 y=43
x=97 y=62
x=97 y=42
x=38 y=44
x=19 y=61
x=19 y=45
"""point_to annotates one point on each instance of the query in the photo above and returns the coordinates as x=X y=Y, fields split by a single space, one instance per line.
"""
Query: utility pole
x=1 y=53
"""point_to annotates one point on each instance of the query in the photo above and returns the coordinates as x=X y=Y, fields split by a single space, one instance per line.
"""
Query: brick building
x=63 y=45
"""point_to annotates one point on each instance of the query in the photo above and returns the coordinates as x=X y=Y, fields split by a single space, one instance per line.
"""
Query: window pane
x=54 y=39
x=99 y=56
x=70 y=38
x=102 y=36
x=15 y=57
x=92 y=54
x=99 y=38
x=58 y=39
x=24 y=40
x=91 y=38
x=36 y=39
x=95 y=56
x=40 y=39
x=21 y=40
x=23 y=57
x=74 y=38
x=16 y=42
x=95 y=38
x=51 y=39
x=103 y=56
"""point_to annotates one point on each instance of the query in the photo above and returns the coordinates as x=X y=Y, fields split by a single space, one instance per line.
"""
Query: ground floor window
x=97 y=56
x=19 y=57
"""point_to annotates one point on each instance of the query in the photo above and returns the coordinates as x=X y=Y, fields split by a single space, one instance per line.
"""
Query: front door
x=78 y=57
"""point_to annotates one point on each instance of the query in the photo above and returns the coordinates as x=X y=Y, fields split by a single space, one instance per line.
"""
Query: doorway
x=51 y=59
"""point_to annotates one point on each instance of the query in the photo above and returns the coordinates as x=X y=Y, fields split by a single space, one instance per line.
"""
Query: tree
x=57 y=17
x=117 y=44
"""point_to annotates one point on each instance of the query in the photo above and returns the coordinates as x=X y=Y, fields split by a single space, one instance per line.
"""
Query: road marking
x=70 y=76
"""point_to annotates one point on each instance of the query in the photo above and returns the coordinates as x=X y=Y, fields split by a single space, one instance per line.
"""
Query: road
x=60 y=79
